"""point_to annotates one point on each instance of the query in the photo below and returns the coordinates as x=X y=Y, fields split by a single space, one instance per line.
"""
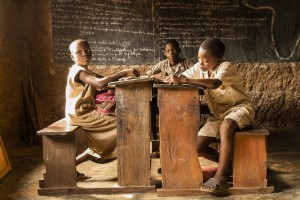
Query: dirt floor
x=283 y=173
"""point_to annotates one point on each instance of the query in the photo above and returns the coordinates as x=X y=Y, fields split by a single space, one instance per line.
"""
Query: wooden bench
x=250 y=162
x=59 y=154
x=133 y=142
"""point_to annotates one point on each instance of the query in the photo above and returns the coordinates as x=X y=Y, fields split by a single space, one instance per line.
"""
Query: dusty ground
x=283 y=173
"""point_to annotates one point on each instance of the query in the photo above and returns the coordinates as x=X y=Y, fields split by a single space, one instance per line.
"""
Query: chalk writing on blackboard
x=118 y=31
x=133 y=31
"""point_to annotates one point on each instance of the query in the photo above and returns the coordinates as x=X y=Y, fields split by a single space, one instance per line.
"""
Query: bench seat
x=59 y=152
x=250 y=158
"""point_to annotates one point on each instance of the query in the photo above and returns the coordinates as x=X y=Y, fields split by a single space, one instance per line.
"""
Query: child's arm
x=207 y=83
x=99 y=83
x=160 y=76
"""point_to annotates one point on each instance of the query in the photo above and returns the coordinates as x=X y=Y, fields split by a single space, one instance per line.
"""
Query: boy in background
x=173 y=65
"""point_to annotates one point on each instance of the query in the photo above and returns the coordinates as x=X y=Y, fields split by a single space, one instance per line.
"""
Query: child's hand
x=132 y=72
x=173 y=79
x=163 y=74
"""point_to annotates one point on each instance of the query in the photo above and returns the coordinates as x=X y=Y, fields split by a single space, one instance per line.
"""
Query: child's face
x=81 y=54
x=171 y=53
x=207 y=62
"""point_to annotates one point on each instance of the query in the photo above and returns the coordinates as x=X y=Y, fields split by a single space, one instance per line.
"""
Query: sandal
x=103 y=161
x=215 y=186
x=82 y=176
x=208 y=172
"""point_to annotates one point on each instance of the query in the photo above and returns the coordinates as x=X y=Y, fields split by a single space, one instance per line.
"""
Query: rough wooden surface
x=253 y=131
x=126 y=81
x=250 y=161
x=58 y=128
x=103 y=190
x=59 y=158
x=178 y=126
x=177 y=86
x=133 y=116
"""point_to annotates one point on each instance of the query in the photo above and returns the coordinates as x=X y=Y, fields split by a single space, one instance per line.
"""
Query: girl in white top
x=80 y=108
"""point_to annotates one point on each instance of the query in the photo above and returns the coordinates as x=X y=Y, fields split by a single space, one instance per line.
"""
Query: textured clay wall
x=27 y=41
x=13 y=59
x=274 y=88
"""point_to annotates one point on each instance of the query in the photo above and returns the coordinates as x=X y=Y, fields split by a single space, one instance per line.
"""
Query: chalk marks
x=283 y=25
x=133 y=31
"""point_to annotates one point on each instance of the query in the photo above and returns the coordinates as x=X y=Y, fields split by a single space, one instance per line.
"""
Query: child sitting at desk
x=80 y=110
x=173 y=65
x=231 y=109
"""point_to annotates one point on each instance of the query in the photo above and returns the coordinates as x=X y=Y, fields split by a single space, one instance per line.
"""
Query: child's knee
x=203 y=143
x=228 y=126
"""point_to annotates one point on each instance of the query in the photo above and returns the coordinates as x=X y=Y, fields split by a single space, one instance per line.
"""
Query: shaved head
x=75 y=43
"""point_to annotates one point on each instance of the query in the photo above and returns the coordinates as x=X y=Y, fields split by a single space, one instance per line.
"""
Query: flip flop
x=208 y=172
x=82 y=177
x=103 y=161
x=215 y=186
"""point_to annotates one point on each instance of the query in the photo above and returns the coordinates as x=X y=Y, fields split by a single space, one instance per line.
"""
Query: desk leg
x=179 y=121
x=133 y=117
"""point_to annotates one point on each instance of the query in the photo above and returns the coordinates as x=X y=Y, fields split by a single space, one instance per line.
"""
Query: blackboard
x=133 y=31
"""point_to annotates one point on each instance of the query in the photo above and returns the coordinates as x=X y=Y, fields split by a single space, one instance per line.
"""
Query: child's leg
x=227 y=129
x=83 y=158
x=204 y=150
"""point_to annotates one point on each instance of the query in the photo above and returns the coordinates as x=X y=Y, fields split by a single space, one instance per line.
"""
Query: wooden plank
x=58 y=128
x=198 y=192
x=59 y=159
x=176 y=86
x=255 y=190
x=250 y=161
x=253 y=131
x=179 y=123
x=133 y=126
x=179 y=192
x=5 y=165
x=107 y=191
x=126 y=81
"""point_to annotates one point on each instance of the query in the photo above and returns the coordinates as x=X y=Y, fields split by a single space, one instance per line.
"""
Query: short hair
x=78 y=41
x=215 y=46
x=172 y=41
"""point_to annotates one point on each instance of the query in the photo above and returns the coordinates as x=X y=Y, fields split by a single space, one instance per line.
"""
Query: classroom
x=155 y=152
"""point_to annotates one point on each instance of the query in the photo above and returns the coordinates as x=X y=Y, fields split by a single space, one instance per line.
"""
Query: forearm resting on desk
x=207 y=83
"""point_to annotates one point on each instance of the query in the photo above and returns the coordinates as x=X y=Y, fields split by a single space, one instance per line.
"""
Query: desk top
x=185 y=86
x=130 y=80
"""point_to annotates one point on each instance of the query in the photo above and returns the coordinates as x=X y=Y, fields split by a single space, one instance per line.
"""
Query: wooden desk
x=133 y=126
x=179 y=121
x=133 y=98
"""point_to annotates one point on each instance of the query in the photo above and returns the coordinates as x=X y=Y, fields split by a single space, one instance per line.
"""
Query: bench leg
x=249 y=161
x=59 y=158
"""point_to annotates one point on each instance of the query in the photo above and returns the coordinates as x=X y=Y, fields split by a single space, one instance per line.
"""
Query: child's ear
x=72 y=57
